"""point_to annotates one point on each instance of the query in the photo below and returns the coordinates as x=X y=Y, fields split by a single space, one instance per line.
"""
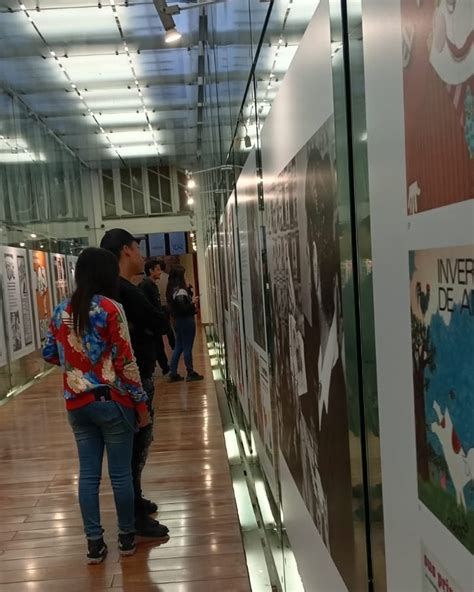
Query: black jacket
x=152 y=292
x=146 y=324
x=181 y=304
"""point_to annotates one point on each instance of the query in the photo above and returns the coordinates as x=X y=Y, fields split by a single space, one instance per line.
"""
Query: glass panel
x=127 y=201
x=165 y=185
x=136 y=177
x=138 y=203
x=153 y=184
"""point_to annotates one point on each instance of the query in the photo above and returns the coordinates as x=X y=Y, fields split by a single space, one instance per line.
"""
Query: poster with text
x=17 y=298
x=442 y=322
x=60 y=278
x=435 y=576
x=71 y=261
x=438 y=78
x=39 y=264
x=304 y=268
x=3 y=343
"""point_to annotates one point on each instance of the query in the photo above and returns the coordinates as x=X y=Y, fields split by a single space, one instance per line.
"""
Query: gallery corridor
x=42 y=546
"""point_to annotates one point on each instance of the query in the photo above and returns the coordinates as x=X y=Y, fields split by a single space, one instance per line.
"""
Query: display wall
x=346 y=248
x=421 y=197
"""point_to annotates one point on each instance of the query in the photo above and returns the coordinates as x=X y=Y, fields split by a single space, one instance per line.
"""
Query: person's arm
x=50 y=347
x=141 y=314
x=124 y=362
x=150 y=289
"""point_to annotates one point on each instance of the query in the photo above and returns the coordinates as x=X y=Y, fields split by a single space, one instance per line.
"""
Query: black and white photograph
x=15 y=331
x=304 y=267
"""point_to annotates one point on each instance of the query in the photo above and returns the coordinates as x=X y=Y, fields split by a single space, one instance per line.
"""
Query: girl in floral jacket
x=89 y=339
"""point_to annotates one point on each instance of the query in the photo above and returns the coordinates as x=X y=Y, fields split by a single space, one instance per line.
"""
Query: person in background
x=147 y=325
x=89 y=339
x=150 y=288
x=162 y=286
x=183 y=310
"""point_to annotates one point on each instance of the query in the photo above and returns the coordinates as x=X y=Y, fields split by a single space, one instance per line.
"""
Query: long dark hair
x=97 y=273
x=175 y=282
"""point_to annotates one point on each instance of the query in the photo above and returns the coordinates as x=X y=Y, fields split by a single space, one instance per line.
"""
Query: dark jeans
x=185 y=329
x=170 y=333
x=97 y=426
x=141 y=447
x=161 y=356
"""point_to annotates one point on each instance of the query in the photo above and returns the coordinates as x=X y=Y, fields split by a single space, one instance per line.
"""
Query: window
x=159 y=182
x=131 y=184
x=110 y=209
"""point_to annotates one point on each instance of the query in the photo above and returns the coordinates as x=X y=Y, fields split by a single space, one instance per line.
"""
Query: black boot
x=150 y=528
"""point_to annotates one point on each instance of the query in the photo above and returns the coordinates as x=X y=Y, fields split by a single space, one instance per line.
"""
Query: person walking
x=146 y=325
x=150 y=288
x=183 y=310
x=89 y=339
x=162 y=283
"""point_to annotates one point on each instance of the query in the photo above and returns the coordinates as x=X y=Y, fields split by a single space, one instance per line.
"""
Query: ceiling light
x=22 y=245
x=190 y=201
x=191 y=183
x=33 y=235
x=172 y=35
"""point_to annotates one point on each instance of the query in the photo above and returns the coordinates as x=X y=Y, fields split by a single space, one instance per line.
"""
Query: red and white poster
x=39 y=264
x=438 y=84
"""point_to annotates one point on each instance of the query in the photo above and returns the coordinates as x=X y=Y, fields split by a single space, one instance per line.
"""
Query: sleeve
x=50 y=348
x=123 y=359
x=184 y=303
x=142 y=314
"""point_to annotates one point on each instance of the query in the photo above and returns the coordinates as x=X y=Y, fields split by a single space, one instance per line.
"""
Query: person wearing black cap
x=147 y=325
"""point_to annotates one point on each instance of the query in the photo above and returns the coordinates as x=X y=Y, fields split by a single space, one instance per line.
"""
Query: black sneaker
x=150 y=528
x=175 y=378
x=126 y=544
x=194 y=377
x=97 y=551
x=165 y=371
x=148 y=506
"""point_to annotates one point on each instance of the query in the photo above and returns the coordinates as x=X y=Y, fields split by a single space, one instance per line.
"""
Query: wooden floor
x=42 y=545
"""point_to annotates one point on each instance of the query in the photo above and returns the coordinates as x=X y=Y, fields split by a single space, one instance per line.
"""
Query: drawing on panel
x=304 y=267
x=442 y=320
x=438 y=79
x=255 y=268
x=43 y=296
x=15 y=331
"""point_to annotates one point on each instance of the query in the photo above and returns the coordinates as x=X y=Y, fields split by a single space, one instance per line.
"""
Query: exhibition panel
x=347 y=270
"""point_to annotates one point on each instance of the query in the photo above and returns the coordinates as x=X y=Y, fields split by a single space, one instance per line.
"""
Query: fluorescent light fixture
x=172 y=35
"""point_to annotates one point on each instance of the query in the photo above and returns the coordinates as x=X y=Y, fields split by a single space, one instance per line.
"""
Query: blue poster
x=157 y=244
x=177 y=243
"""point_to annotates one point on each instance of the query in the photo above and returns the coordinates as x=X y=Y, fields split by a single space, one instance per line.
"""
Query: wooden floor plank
x=42 y=545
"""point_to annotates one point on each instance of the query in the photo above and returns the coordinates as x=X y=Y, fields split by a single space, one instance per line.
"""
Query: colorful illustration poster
x=39 y=264
x=71 y=261
x=308 y=374
x=442 y=319
x=438 y=78
x=18 y=306
x=60 y=278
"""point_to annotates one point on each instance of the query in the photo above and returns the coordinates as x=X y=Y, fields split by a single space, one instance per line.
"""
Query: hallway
x=42 y=546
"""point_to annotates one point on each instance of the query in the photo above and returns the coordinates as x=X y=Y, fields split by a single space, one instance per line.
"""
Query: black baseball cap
x=114 y=240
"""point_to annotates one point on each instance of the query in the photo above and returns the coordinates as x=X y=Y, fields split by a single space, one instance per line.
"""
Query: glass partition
x=42 y=192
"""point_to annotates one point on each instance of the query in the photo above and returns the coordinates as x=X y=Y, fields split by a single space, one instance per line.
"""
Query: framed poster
x=39 y=265
x=59 y=277
x=177 y=243
x=438 y=87
x=17 y=298
x=157 y=244
x=71 y=261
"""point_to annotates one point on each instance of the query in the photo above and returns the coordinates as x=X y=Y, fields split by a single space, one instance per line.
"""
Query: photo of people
x=60 y=278
x=10 y=267
x=438 y=80
x=15 y=331
x=304 y=267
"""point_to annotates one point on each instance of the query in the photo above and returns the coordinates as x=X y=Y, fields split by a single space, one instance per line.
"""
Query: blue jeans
x=185 y=329
x=97 y=426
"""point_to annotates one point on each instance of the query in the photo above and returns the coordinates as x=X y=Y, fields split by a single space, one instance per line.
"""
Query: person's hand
x=195 y=299
x=143 y=419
